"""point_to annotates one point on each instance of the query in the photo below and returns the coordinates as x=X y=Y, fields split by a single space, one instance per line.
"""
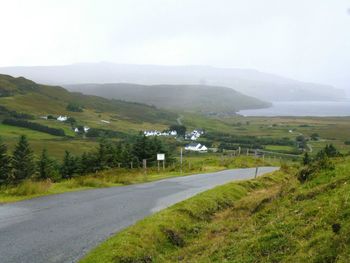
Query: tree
x=105 y=155
x=88 y=163
x=69 y=166
x=141 y=148
x=74 y=107
x=22 y=161
x=331 y=151
x=306 y=159
x=47 y=169
x=5 y=168
x=315 y=136
x=126 y=155
x=180 y=129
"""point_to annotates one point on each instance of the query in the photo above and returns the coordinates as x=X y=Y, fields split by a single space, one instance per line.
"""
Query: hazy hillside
x=199 y=98
x=27 y=101
x=21 y=94
x=251 y=82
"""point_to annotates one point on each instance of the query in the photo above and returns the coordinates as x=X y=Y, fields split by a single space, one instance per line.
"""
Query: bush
x=74 y=107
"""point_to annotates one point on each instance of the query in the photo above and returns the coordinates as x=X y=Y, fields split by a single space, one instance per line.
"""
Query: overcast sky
x=303 y=39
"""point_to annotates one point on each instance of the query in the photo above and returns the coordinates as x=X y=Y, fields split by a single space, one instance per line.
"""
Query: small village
x=192 y=136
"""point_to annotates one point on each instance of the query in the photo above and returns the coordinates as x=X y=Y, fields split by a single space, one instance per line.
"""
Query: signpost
x=161 y=157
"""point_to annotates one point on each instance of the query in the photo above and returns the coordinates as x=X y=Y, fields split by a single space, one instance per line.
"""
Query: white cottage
x=62 y=118
x=196 y=147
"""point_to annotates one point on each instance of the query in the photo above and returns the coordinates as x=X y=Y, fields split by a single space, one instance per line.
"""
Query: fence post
x=144 y=162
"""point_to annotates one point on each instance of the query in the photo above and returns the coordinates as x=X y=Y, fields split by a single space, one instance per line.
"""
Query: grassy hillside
x=23 y=98
x=274 y=218
x=197 y=98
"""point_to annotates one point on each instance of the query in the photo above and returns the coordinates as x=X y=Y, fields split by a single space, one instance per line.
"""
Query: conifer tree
x=47 y=169
x=22 y=161
x=127 y=155
x=69 y=166
x=306 y=159
x=5 y=167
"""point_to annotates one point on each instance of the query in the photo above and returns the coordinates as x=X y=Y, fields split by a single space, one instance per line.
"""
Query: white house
x=62 y=118
x=158 y=133
x=194 y=135
x=196 y=147
x=76 y=130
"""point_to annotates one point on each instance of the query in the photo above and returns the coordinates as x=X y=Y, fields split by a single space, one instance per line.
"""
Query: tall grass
x=29 y=187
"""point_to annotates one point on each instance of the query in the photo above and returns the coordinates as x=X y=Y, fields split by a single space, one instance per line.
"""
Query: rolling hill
x=196 y=98
x=261 y=85
x=29 y=102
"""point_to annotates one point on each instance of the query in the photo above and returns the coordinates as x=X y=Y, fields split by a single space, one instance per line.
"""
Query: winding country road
x=62 y=228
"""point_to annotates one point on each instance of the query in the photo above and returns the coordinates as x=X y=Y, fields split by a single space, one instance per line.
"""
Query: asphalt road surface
x=62 y=228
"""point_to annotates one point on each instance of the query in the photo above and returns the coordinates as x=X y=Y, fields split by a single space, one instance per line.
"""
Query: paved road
x=62 y=228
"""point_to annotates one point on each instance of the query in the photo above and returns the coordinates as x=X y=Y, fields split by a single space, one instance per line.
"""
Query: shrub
x=74 y=107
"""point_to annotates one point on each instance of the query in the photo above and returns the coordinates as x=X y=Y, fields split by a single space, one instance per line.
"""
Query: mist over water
x=302 y=108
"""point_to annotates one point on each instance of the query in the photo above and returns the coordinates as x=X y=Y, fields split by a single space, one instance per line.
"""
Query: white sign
x=160 y=156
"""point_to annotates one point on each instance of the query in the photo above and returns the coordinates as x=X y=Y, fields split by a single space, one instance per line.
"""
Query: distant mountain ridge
x=250 y=82
x=196 y=98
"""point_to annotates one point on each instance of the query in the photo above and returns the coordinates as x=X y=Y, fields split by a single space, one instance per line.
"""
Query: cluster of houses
x=85 y=129
x=59 y=118
x=194 y=135
x=158 y=133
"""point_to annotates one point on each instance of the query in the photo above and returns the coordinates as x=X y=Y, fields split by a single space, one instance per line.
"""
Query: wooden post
x=247 y=152
x=158 y=165
x=144 y=162
x=256 y=172
x=239 y=150
x=163 y=165
x=181 y=160
x=131 y=165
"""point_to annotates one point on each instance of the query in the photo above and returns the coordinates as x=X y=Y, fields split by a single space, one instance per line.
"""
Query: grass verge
x=274 y=218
